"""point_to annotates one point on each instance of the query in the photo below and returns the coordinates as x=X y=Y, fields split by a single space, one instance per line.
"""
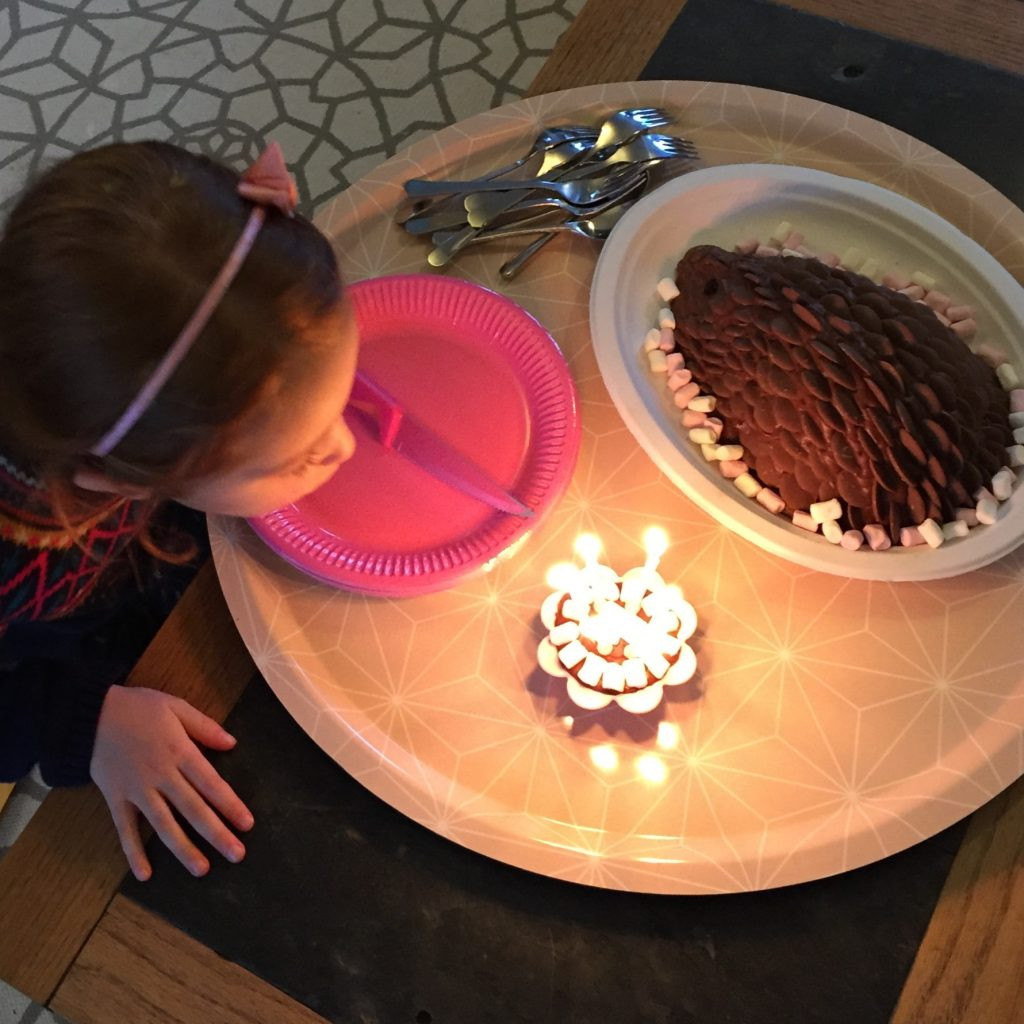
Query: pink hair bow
x=268 y=181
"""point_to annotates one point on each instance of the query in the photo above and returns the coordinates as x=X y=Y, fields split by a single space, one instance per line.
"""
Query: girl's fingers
x=173 y=836
x=217 y=792
x=198 y=813
x=203 y=728
x=127 y=824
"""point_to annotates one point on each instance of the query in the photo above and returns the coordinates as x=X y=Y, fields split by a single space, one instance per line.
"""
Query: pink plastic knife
x=427 y=449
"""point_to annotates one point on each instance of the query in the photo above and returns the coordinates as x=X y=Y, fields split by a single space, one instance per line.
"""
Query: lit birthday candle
x=615 y=639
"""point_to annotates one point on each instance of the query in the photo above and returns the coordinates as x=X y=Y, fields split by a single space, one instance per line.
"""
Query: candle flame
x=588 y=547
x=655 y=542
x=651 y=768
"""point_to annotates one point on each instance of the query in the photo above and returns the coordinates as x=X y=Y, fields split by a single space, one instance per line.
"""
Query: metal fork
x=624 y=124
x=579 y=192
x=643 y=150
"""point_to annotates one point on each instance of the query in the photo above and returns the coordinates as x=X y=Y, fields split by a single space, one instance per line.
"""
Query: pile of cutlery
x=574 y=178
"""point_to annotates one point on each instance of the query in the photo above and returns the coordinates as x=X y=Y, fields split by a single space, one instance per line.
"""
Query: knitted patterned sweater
x=55 y=608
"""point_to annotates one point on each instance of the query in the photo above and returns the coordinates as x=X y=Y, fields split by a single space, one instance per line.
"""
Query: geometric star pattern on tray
x=832 y=722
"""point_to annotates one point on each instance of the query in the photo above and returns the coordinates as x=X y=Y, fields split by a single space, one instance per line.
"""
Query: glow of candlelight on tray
x=604 y=757
x=651 y=768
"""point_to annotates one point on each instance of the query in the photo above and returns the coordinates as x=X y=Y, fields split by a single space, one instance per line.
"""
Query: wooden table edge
x=600 y=46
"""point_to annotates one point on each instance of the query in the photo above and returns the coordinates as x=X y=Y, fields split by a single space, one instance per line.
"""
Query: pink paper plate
x=489 y=379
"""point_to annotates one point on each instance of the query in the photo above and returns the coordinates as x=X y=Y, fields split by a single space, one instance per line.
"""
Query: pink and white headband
x=266 y=182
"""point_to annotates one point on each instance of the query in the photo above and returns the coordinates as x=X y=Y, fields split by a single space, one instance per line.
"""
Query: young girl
x=168 y=330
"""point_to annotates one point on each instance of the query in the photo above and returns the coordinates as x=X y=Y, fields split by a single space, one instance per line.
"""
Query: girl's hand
x=145 y=759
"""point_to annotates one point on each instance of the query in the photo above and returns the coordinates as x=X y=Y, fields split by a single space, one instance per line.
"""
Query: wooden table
x=71 y=942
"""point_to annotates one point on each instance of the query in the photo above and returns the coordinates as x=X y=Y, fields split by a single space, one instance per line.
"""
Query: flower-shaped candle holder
x=617 y=638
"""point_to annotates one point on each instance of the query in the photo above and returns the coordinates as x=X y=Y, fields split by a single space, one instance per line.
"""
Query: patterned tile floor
x=341 y=84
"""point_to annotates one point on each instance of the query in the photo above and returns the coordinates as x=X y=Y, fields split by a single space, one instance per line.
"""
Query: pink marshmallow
x=715 y=424
x=830 y=259
x=877 y=538
x=1017 y=400
x=913 y=291
x=793 y=240
x=956 y=313
x=674 y=361
x=852 y=540
x=668 y=339
x=678 y=378
x=692 y=419
x=964 y=329
x=896 y=281
x=968 y=516
x=734 y=469
x=767 y=250
x=747 y=246
x=992 y=354
x=686 y=394
x=938 y=301
x=805 y=521
x=910 y=537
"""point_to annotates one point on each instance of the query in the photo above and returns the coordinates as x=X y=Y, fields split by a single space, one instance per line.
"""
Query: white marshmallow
x=988 y=511
x=1007 y=376
x=957 y=528
x=614 y=677
x=591 y=670
x=833 y=531
x=853 y=258
x=748 y=485
x=1016 y=420
x=703 y=403
x=1018 y=431
x=572 y=654
x=703 y=435
x=634 y=672
x=786 y=251
x=667 y=289
x=766 y=250
x=932 y=533
x=824 y=511
x=729 y=452
x=1015 y=453
x=655 y=662
x=666 y=318
x=926 y=281
x=709 y=451
x=652 y=339
x=782 y=232
x=1002 y=484
x=562 y=634
x=870 y=269
x=658 y=361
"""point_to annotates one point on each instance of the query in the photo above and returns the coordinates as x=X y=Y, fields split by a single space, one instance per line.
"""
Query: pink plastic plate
x=489 y=379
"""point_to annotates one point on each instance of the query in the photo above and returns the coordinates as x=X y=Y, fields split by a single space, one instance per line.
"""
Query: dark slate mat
x=971 y=112
x=367 y=917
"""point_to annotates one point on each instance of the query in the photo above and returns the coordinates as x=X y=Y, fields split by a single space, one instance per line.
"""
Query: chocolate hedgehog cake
x=836 y=386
